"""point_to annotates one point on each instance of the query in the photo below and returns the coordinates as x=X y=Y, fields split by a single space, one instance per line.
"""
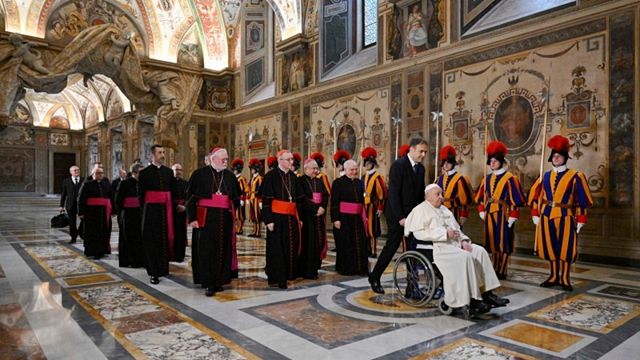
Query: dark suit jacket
x=406 y=189
x=69 y=198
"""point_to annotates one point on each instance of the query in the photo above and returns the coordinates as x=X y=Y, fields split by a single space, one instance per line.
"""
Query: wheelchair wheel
x=444 y=308
x=414 y=278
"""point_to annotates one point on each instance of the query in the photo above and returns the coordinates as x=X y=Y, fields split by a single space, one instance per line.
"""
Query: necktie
x=75 y=181
x=415 y=168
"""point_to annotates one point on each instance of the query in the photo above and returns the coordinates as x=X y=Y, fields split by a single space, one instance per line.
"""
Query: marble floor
x=57 y=304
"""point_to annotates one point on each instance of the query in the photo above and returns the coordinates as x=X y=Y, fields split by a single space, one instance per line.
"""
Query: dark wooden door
x=61 y=164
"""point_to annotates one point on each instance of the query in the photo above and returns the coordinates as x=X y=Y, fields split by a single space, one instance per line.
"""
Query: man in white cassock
x=467 y=272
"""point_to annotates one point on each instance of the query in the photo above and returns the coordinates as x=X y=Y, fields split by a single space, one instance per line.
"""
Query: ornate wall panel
x=622 y=157
x=356 y=121
x=510 y=92
x=267 y=138
x=17 y=169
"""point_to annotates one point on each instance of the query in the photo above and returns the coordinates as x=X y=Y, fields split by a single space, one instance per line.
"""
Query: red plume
x=297 y=157
x=237 y=162
x=317 y=156
x=447 y=152
x=369 y=152
x=341 y=154
x=403 y=150
x=559 y=143
x=253 y=162
x=272 y=161
x=496 y=147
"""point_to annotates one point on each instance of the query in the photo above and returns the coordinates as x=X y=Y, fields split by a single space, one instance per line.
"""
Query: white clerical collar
x=283 y=170
x=559 y=169
x=156 y=165
x=413 y=163
x=216 y=169
x=451 y=172
x=499 y=171
x=371 y=171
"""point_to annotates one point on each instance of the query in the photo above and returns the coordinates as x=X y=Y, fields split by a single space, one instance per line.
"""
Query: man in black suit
x=406 y=186
x=69 y=199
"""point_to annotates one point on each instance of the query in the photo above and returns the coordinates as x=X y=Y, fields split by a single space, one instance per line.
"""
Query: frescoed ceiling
x=163 y=28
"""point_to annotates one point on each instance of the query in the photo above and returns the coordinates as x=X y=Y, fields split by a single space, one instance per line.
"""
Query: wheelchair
x=416 y=276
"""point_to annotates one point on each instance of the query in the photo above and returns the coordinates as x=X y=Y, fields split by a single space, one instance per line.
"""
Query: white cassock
x=465 y=274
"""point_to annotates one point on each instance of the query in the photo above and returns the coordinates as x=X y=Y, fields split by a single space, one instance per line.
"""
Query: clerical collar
x=451 y=172
x=371 y=171
x=216 y=169
x=499 y=171
x=559 y=169
x=156 y=165
x=413 y=163
x=283 y=170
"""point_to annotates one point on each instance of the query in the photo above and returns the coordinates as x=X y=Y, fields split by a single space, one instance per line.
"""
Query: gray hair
x=350 y=163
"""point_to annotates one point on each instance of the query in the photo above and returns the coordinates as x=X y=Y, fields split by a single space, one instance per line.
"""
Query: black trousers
x=394 y=239
x=73 y=226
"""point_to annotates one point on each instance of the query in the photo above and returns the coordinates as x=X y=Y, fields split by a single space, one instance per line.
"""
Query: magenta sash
x=131 y=202
x=101 y=202
x=317 y=198
x=220 y=202
x=163 y=197
x=355 y=209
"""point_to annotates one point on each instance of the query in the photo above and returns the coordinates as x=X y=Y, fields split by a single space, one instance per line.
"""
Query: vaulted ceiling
x=166 y=29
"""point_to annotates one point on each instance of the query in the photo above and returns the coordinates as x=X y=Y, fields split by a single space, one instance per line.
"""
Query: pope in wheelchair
x=467 y=273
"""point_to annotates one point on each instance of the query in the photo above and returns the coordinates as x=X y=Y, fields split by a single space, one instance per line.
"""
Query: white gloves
x=578 y=227
x=241 y=202
x=260 y=205
x=481 y=213
x=535 y=219
x=511 y=221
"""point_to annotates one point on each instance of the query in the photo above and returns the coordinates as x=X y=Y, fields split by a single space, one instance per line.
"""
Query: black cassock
x=283 y=243
x=314 y=230
x=351 y=251
x=97 y=229
x=130 y=249
x=180 y=221
x=155 y=232
x=214 y=251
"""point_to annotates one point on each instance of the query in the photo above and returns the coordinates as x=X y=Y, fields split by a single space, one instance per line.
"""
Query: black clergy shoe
x=375 y=286
x=494 y=300
x=73 y=241
x=502 y=276
x=210 y=292
x=479 y=307
x=548 y=284
x=283 y=286
x=567 y=287
x=154 y=280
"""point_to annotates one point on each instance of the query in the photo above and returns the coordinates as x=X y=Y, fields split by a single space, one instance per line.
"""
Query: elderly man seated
x=468 y=275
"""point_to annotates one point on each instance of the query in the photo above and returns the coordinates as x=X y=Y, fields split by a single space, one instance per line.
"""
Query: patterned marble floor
x=57 y=304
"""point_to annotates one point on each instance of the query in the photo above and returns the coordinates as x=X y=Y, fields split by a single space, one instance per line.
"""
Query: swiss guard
x=456 y=188
x=297 y=162
x=319 y=158
x=498 y=199
x=559 y=210
x=237 y=165
x=375 y=192
x=255 y=201
x=339 y=159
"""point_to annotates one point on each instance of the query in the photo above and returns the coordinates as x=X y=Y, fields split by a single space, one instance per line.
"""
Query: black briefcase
x=60 y=221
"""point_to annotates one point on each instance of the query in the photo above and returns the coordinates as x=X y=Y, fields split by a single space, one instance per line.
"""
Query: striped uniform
x=375 y=192
x=255 y=213
x=240 y=213
x=457 y=193
x=325 y=181
x=500 y=201
x=561 y=201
